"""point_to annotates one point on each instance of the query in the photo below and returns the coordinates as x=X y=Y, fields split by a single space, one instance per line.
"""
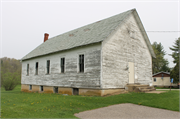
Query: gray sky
x=24 y=22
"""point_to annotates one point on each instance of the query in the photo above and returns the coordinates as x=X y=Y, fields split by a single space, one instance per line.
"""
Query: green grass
x=17 y=104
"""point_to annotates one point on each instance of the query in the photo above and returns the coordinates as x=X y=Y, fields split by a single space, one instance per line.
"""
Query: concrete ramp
x=139 y=88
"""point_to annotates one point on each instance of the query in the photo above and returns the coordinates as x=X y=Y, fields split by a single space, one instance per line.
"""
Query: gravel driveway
x=128 y=111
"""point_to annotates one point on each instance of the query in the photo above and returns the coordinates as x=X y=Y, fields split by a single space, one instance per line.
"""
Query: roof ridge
x=88 y=34
x=93 y=23
x=161 y=72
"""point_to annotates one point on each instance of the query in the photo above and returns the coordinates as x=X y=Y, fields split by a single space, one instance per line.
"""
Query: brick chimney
x=46 y=35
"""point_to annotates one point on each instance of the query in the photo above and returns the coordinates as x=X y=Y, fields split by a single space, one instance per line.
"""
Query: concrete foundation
x=65 y=91
x=69 y=90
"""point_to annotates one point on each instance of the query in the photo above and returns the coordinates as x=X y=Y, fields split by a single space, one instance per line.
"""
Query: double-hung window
x=48 y=66
x=27 y=69
x=81 y=63
x=36 y=68
x=62 y=65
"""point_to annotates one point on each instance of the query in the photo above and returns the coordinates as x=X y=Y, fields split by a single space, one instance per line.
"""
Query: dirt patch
x=117 y=93
x=158 y=92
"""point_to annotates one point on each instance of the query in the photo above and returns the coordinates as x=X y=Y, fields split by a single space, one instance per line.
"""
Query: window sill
x=80 y=72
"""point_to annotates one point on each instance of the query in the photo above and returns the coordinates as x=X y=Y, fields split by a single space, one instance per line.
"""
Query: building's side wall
x=71 y=78
x=123 y=46
x=162 y=82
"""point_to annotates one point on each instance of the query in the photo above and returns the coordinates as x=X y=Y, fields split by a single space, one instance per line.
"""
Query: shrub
x=10 y=80
x=10 y=73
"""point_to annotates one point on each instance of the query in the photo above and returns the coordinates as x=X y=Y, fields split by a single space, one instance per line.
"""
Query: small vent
x=71 y=35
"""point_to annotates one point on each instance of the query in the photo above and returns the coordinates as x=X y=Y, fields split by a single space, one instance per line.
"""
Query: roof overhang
x=161 y=72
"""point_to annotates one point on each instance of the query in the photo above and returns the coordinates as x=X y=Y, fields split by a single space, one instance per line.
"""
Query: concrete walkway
x=128 y=111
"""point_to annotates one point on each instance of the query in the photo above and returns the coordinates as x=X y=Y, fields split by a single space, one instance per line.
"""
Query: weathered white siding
x=71 y=78
x=125 y=45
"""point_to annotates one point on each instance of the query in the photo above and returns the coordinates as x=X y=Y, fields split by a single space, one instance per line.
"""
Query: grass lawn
x=17 y=104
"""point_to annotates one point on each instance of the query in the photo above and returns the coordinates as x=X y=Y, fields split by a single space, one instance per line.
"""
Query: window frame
x=81 y=62
x=27 y=71
x=62 y=65
x=154 y=79
x=55 y=89
x=30 y=87
x=48 y=67
x=41 y=88
x=36 y=68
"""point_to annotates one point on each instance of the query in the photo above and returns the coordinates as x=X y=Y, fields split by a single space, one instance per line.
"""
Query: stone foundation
x=25 y=88
x=48 y=89
x=65 y=91
x=69 y=91
x=35 y=88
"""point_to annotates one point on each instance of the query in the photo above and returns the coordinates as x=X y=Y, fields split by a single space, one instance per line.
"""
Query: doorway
x=131 y=72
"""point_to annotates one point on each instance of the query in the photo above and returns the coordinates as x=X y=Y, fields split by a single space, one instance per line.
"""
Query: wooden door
x=131 y=72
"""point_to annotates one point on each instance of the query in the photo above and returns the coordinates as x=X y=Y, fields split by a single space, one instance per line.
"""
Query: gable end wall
x=123 y=46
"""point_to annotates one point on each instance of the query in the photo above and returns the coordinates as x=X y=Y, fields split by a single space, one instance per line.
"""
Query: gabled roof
x=92 y=33
x=161 y=72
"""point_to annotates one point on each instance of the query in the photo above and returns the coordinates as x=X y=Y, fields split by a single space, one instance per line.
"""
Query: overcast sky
x=24 y=22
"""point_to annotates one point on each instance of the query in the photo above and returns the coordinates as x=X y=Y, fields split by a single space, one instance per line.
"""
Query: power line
x=158 y=31
x=162 y=31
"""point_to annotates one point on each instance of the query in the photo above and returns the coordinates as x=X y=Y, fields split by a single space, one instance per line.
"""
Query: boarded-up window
x=36 y=68
x=81 y=63
x=48 y=66
x=62 y=65
x=27 y=69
